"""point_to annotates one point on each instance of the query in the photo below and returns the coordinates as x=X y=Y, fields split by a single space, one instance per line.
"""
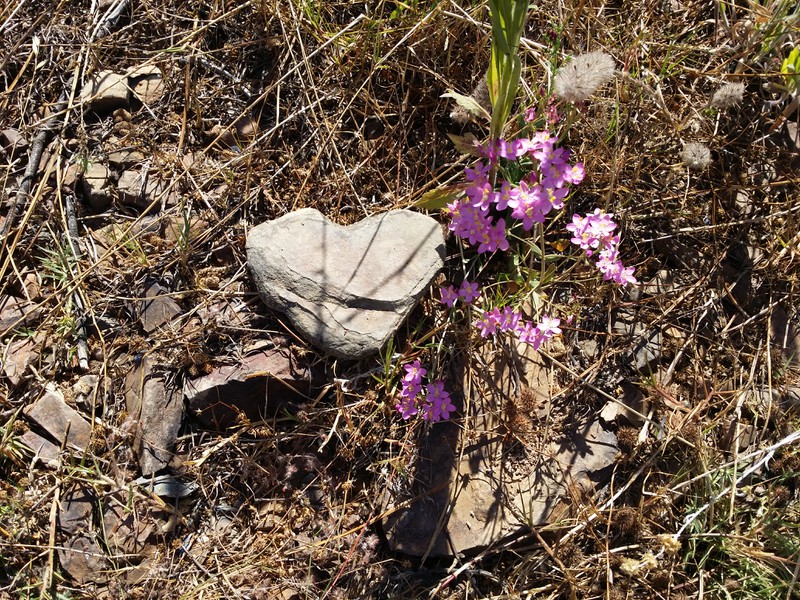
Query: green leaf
x=466 y=144
x=438 y=198
x=469 y=103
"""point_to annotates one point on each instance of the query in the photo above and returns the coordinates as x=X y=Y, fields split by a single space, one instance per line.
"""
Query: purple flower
x=449 y=295
x=469 y=291
x=414 y=372
x=438 y=404
x=407 y=407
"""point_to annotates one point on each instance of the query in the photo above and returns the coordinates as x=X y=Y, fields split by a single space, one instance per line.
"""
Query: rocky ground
x=171 y=428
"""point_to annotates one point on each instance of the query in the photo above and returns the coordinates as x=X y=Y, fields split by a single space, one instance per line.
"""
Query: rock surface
x=471 y=491
x=345 y=289
x=158 y=409
x=106 y=91
x=254 y=389
x=64 y=424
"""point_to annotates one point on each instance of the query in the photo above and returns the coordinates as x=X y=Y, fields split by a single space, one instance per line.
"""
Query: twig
x=72 y=239
x=40 y=142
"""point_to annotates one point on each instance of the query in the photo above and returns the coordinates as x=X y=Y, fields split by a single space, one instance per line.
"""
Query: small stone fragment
x=157 y=408
x=254 y=388
x=646 y=349
x=13 y=143
x=631 y=409
x=84 y=559
x=147 y=83
x=106 y=91
x=129 y=527
x=159 y=308
x=125 y=158
x=168 y=486
x=345 y=289
x=131 y=187
x=43 y=449
x=51 y=413
x=96 y=185
x=16 y=312
x=785 y=335
x=75 y=512
x=18 y=356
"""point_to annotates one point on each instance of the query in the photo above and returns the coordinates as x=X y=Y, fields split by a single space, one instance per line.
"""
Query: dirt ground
x=140 y=142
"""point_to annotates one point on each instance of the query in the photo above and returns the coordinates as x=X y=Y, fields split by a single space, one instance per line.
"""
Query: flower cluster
x=468 y=292
x=542 y=190
x=594 y=233
x=509 y=320
x=435 y=406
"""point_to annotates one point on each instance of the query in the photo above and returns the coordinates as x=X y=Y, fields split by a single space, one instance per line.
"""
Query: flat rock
x=96 y=186
x=786 y=335
x=130 y=527
x=255 y=388
x=18 y=356
x=106 y=91
x=147 y=83
x=13 y=142
x=16 y=312
x=345 y=289
x=43 y=449
x=646 y=350
x=470 y=491
x=158 y=409
x=125 y=157
x=158 y=309
x=75 y=510
x=61 y=422
x=84 y=559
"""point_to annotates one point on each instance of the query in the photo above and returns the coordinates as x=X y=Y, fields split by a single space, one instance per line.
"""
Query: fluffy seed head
x=583 y=76
x=728 y=96
x=696 y=156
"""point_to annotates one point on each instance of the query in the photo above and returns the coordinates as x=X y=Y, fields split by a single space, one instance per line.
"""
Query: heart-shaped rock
x=345 y=289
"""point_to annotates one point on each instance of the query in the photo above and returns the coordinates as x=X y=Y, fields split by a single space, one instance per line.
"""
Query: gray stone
x=43 y=449
x=84 y=559
x=62 y=423
x=158 y=309
x=345 y=289
x=96 y=186
x=106 y=91
x=125 y=157
x=13 y=142
x=157 y=408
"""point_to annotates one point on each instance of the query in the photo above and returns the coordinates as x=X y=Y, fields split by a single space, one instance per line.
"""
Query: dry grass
x=350 y=120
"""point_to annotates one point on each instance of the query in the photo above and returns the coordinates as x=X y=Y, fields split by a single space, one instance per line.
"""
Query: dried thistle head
x=583 y=76
x=696 y=156
x=728 y=96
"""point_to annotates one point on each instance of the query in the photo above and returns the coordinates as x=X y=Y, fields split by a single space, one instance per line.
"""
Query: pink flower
x=407 y=407
x=449 y=295
x=509 y=319
x=530 y=114
x=469 y=291
x=438 y=399
x=487 y=324
x=549 y=327
x=414 y=372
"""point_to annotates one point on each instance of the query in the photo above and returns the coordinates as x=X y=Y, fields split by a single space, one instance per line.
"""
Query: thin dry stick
x=40 y=142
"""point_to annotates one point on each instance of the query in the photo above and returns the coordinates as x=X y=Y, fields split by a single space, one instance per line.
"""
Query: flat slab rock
x=345 y=289
x=472 y=490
